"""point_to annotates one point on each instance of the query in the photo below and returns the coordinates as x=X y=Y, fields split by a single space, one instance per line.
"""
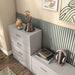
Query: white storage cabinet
x=24 y=44
x=39 y=67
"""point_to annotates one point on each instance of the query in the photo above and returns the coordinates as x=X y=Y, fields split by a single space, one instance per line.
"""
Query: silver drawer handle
x=19 y=44
x=43 y=69
x=20 y=53
x=18 y=35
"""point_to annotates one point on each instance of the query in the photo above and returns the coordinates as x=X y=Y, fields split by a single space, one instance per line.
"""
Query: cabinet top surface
x=13 y=27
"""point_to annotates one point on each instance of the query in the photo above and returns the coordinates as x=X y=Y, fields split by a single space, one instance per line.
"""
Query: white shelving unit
x=39 y=67
x=24 y=44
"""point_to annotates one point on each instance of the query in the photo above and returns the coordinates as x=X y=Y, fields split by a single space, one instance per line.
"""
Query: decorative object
x=50 y=4
x=19 y=23
x=7 y=71
x=68 y=11
x=61 y=56
x=28 y=27
x=45 y=55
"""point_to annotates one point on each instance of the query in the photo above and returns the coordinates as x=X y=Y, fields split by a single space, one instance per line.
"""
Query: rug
x=7 y=71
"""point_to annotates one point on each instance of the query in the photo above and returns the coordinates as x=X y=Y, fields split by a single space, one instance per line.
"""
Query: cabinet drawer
x=40 y=69
x=17 y=53
x=17 y=36
x=22 y=57
x=22 y=47
x=25 y=61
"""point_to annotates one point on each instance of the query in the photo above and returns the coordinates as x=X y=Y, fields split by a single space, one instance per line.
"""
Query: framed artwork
x=50 y=4
x=67 y=12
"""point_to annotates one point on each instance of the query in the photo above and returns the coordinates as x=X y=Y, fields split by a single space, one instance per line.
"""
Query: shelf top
x=13 y=26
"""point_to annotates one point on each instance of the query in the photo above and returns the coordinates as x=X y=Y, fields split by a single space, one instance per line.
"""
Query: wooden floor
x=13 y=64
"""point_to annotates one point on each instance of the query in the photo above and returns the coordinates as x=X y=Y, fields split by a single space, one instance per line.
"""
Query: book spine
x=42 y=55
x=51 y=60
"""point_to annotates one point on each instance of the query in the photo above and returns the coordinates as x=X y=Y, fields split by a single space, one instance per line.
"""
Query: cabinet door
x=17 y=53
x=40 y=69
x=21 y=46
x=27 y=60
x=17 y=36
x=22 y=57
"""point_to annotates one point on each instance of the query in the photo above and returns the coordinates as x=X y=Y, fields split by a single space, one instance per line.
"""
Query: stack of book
x=45 y=55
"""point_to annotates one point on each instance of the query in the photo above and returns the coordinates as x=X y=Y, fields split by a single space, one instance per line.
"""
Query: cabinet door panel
x=41 y=69
x=17 y=53
x=22 y=57
x=23 y=47
x=27 y=59
x=38 y=69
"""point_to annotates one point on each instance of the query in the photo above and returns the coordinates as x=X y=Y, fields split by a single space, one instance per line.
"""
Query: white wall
x=8 y=16
x=35 y=6
x=2 y=38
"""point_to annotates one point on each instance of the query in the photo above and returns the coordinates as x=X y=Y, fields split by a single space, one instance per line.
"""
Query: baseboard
x=6 y=52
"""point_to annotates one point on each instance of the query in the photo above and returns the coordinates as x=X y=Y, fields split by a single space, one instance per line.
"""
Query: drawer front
x=22 y=47
x=17 y=53
x=22 y=57
x=25 y=61
x=40 y=69
x=18 y=35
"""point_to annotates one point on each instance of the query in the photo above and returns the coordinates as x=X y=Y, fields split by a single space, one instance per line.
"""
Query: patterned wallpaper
x=56 y=37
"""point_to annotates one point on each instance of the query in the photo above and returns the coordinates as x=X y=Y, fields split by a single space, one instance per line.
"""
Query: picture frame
x=50 y=4
x=67 y=12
